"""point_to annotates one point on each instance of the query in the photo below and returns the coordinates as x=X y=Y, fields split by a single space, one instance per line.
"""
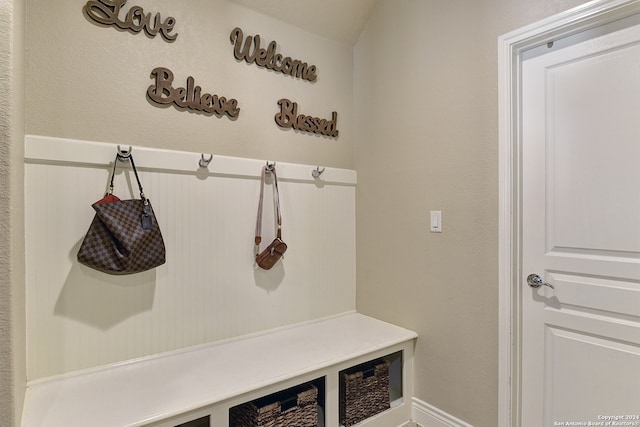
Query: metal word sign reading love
x=106 y=12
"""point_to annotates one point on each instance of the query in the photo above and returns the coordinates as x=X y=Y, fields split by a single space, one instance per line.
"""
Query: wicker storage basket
x=364 y=391
x=295 y=407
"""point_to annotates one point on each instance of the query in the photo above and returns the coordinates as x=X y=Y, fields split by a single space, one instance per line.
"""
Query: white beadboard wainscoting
x=208 y=290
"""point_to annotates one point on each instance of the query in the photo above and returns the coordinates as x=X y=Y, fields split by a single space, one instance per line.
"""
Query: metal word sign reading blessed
x=288 y=117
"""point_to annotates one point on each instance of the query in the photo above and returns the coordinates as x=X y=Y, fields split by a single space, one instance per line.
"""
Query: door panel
x=581 y=231
x=617 y=298
x=575 y=384
x=594 y=151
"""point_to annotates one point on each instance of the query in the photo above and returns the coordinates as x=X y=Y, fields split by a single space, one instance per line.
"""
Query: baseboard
x=429 y=416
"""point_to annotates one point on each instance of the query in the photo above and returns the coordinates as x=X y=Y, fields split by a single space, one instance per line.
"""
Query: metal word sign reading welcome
x=268 y=58
x=106 y=12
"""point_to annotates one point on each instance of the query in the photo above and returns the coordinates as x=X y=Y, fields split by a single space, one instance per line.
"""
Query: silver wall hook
x=204 y=163
x=123 y=155
x=270 y=167
x=317 y=172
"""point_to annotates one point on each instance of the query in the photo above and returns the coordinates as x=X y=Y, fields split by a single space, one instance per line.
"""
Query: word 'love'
x=106 y=12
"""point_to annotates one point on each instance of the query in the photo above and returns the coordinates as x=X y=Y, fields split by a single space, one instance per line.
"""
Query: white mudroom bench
x=206 y=381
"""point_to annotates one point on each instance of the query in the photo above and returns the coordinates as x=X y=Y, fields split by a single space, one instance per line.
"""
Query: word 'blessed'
x=106 y=12
x=268 y=58
x=191 y=97
x=288 y=117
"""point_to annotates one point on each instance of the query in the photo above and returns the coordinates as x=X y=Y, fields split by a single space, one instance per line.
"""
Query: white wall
x=426 y=138
x=12 y=295
x=444 y=154
x=209 y=289
x=89 y=82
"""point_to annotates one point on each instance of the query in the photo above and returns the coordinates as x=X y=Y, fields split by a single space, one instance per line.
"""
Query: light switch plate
x=435 y=223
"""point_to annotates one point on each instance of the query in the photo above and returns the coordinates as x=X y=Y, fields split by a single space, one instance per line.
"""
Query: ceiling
x=340 y=20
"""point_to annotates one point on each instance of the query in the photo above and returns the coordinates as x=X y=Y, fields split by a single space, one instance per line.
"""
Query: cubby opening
x=370 y=388
x=281 y=402
x=395 y=378
x=200 y=422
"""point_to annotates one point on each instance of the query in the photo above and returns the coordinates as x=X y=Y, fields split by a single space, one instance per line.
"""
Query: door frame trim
x=510 y=49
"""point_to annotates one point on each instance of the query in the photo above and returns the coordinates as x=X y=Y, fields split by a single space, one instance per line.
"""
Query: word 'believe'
x=268 y=58
x=191 y=97
x=288 y=118
x=106 y=12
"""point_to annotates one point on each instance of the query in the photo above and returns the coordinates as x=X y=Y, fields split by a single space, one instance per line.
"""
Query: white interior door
x=580 y=340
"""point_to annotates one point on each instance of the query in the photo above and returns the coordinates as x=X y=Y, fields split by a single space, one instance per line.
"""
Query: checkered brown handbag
x=124 y=236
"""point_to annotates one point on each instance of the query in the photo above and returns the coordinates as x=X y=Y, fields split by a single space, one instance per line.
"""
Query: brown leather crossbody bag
x=276 y=249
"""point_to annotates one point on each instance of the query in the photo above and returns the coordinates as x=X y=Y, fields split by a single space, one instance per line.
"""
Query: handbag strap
x=135 y=172
x=276 y=204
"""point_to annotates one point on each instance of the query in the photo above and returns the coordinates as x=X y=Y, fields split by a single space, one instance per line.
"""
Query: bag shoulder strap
x=276 y=204
x=129 y=157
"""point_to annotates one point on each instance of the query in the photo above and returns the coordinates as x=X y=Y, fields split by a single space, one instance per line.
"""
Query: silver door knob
x=535 y=281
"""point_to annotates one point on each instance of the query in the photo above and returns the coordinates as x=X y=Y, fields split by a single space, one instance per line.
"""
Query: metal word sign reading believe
x=106 y=12
x=268 y=58
x=190 y=97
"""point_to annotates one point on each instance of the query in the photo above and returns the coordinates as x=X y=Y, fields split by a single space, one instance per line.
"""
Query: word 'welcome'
x=268 y=58
x=106 y=12
x=288 y=117
x=191 y=97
